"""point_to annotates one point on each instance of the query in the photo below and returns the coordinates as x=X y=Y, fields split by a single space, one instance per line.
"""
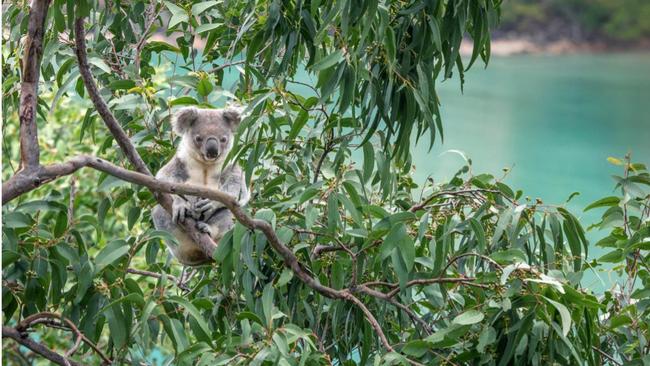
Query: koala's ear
x=184 y=119
x=232 y=116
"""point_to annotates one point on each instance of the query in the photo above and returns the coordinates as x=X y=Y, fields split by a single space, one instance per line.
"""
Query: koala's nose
x=211 y=148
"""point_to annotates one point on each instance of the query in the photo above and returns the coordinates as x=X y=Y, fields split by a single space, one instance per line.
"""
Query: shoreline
x=524 y=46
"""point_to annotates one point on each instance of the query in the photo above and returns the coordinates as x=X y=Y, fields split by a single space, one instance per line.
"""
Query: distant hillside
x=609 y=23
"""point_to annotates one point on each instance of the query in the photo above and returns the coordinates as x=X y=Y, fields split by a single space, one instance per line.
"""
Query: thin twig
x=424 y=203
x=140 y=272
x=225 y=66
x=150 y=17
x=610 y=358
x=90 y=344
x=485 y=257
x=414 y=317
x=73 y=191
x=320 y=249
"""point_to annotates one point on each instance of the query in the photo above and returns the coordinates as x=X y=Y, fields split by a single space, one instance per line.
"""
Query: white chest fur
x=198 y=172
x=202 y=174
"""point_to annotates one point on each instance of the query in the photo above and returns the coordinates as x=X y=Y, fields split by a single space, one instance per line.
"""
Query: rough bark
x=31 y=65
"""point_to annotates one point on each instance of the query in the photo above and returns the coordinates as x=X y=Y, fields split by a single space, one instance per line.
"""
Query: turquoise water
x=553 y=119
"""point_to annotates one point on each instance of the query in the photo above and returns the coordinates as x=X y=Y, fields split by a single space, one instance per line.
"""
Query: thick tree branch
x=24 y=340
x=31 y=62
x=203 y=240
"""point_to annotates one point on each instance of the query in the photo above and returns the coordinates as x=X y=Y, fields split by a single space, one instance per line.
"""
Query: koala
x=206 y=138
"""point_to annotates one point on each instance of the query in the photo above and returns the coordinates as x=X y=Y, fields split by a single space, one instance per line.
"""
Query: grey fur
x=179 y=170
x=184 y=118
x=232 y=117
x=190 y=164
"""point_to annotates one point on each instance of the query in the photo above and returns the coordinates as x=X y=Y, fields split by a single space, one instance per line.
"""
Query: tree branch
x=31 y=62
x=93 y=346
x=113 y=125
x=54 y=171
x=24 y=340
x=485 y=257
x=414 y=317
x=32 y=319
x=365 y=287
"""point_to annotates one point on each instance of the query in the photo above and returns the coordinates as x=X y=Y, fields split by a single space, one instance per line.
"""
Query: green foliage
x=605 y=20
x=470 y=272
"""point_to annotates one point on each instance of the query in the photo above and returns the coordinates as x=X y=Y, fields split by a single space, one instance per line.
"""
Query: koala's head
x=207 y=133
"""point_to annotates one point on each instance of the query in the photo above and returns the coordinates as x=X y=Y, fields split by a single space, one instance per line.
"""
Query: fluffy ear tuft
x=184 y=119
x=232 y=116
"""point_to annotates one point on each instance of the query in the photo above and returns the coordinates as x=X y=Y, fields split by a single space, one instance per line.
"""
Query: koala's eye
x=223 y=139
x=198 y=138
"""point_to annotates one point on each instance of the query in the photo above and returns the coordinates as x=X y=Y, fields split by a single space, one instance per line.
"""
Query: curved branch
x=30 y=320
x=24 y=340
x=42 y=317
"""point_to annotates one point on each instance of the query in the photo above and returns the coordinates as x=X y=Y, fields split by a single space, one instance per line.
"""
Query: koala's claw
x=180 y=211
x=204 y=228
x=206 y=207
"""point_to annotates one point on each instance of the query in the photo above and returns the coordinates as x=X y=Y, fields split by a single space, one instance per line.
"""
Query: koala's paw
x=206 y=208
x=204 y=228
x=180 y=211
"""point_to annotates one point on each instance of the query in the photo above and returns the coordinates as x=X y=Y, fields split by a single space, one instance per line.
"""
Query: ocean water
x=552 y=120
